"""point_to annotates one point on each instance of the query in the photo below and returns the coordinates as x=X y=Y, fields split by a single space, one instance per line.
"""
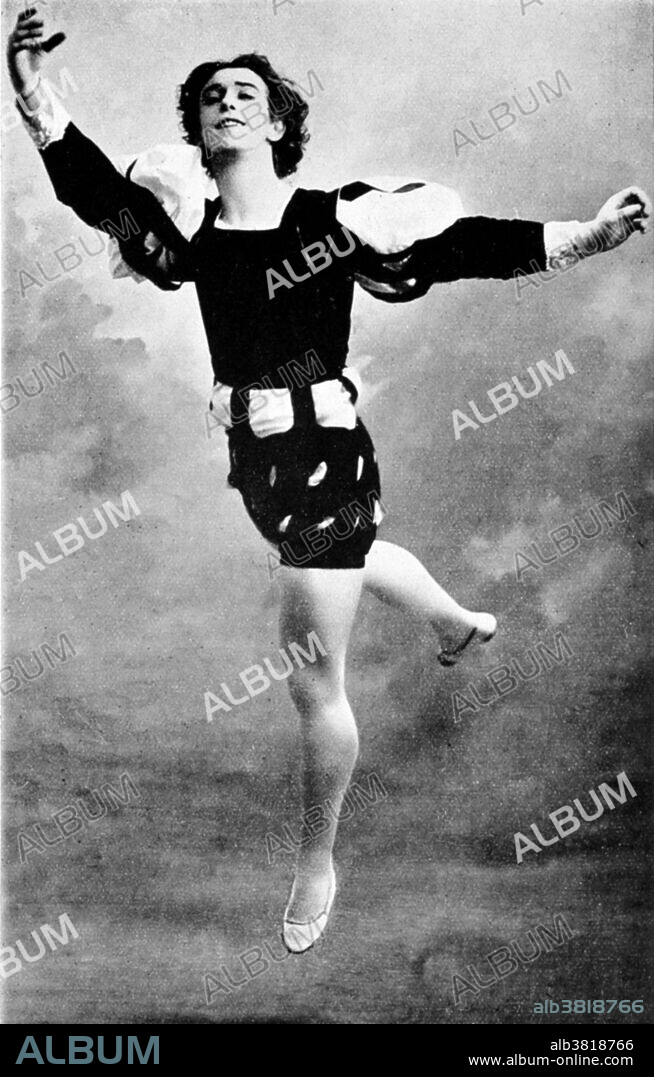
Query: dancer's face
x=235 y=113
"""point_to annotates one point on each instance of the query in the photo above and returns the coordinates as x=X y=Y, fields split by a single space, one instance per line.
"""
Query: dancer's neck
x=251 y=194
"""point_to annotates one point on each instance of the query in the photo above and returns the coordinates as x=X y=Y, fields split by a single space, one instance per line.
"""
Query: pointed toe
x=300 y=936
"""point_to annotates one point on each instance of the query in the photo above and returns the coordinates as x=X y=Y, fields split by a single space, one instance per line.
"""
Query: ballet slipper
x=483 y=632
x=299 y=936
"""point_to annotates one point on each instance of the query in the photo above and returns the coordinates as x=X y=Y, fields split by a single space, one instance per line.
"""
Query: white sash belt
x=270 y=411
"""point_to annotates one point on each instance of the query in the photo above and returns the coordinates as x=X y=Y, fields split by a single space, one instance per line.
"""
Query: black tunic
x=251 y=334
x=312 y=491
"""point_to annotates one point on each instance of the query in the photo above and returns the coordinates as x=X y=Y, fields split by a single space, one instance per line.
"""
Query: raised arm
x=83 y=177
x=417 y=234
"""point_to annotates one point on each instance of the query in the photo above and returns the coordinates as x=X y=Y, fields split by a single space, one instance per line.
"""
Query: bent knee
x=319 y=685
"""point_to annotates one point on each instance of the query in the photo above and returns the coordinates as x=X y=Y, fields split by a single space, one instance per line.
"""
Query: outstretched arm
x=82 y=176
x=417 y=234
x=486 y=247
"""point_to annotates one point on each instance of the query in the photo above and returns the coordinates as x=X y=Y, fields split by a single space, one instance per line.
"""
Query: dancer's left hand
x=622 y=214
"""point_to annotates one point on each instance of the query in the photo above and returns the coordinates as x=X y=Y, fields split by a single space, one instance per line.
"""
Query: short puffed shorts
x=312 y=491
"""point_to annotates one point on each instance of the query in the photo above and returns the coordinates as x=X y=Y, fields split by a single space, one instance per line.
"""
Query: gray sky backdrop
x=179 y=600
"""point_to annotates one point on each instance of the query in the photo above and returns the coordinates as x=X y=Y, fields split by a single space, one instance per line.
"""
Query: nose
x=228 y=102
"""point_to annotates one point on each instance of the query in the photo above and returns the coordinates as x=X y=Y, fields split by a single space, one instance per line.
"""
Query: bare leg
x=323 y=601
x=397 y=577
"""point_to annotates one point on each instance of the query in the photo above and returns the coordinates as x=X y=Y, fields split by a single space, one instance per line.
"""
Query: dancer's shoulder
x=175 y=174
x=176 y=158
x=391 y=213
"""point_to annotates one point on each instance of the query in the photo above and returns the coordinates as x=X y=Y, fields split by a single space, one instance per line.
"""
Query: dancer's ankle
x=313 y=865
x=462 y=621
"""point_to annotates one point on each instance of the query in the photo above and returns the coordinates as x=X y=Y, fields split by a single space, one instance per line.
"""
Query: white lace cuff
x=48 y=121
x=561 y=243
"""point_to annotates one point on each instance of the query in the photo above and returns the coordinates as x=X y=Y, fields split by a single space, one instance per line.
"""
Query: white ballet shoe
x=299 y=936
x=483 y=632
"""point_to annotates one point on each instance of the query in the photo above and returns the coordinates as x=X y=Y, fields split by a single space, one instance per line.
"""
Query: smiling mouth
x=230 y=123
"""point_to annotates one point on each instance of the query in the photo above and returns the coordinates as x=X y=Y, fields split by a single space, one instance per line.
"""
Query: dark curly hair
x=284 y=101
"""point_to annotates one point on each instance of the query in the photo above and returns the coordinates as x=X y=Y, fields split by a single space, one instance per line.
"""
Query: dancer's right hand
x=26 y=50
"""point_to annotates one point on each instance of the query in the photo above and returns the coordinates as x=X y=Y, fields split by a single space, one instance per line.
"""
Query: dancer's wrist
x=589 y=238
x=44 y=116
x=29 y=99
x=561 y=241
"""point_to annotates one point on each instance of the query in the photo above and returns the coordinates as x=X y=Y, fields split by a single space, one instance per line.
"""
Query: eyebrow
x=219 y=86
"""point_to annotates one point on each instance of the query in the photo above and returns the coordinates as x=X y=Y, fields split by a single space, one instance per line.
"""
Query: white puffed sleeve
x=392 y=213
x=176 y=177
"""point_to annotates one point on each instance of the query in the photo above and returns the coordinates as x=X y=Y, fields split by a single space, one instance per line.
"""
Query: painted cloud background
x=177 y=601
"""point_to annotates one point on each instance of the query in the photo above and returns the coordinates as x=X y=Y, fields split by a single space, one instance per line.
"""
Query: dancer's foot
x=308 y=909
x=481 y=629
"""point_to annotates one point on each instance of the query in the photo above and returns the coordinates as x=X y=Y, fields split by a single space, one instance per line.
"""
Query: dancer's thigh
x=323 y=601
